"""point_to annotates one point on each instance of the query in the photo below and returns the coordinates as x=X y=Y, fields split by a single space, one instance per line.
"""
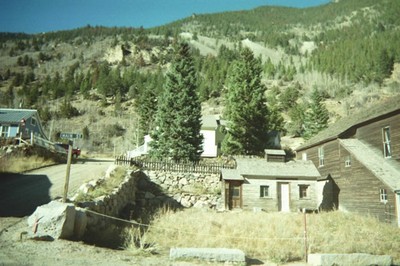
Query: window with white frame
x=347 y=162
x=383 y=195
x=4 y=131
x=321 y=156
x=387 y=150
x=264 y=191
x=303 y=191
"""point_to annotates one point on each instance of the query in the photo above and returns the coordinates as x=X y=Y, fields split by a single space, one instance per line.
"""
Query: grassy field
x=20 y=163
x=276 y=237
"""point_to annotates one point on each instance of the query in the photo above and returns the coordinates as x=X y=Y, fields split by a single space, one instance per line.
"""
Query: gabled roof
x=15 y=115
x=259 y=168
x=368 y=115
x=384 y=169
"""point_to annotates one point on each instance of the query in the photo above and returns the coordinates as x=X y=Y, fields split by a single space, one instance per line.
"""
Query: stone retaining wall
x=142 y=194
x=188 y=189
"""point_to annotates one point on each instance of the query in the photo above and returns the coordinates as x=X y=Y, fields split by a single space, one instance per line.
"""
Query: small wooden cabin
x=259 y=184
x=359 y=159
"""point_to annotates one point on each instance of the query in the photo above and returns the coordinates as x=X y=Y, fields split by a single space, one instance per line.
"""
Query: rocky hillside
x=94 y=79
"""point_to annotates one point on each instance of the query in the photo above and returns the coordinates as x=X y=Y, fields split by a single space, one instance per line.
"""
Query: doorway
x=233 y=194
x=283 y=197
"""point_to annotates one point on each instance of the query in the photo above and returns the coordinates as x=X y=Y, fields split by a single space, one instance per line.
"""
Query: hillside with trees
x=311 y=65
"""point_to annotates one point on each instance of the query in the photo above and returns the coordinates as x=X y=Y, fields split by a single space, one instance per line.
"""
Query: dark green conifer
x=246 y=110
x=178 y=120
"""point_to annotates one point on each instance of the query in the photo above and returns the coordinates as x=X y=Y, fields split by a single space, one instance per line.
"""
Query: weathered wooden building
x=359 y=159
x=270 y=184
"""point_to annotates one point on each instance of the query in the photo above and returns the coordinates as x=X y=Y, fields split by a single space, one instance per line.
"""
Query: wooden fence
x=202 y=167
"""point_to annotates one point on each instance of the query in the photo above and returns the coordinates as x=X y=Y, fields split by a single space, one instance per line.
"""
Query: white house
x=211 y=130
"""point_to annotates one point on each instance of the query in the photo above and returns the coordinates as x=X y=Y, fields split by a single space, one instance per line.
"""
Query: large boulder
x=354 y=259
x=54 y=220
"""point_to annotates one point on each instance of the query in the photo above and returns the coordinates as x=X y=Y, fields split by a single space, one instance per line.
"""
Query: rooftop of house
x=15 y=115
x=385 y=169
x=260 y=168
x=210 y=122
x=368 y=114
x=275 y=152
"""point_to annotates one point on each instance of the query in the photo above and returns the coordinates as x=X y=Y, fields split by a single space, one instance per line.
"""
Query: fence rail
x=171 y=166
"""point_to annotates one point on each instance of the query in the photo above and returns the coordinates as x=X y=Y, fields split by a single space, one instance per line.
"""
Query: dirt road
x=20 y=194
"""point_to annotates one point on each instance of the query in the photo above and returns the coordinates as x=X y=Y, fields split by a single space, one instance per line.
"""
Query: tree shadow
x=21 y=194
x=150 y=200
x=330 y=195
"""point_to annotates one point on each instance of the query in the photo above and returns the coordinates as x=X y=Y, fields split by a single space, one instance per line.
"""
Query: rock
x=110 y=170
x=355 y=259
x=209 y=254
x=81 y=221
x=201 y=204
x=55 y=220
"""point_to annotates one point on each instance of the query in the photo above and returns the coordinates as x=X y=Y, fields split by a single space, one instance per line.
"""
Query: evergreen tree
x=246 y=111
x=178 y=119
x=316 y=117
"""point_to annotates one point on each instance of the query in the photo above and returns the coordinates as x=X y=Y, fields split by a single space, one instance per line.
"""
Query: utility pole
x=68 y=171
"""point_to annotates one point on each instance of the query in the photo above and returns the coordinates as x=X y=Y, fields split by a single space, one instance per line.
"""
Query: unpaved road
x=20 y=194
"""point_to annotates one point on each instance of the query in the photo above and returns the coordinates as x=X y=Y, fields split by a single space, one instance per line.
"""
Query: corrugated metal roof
x=15 y=115
x=353 y=120
x=262 y=168
x=384 y=169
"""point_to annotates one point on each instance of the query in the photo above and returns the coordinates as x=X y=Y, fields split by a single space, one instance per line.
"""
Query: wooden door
x=233 y=193
x=284 y=197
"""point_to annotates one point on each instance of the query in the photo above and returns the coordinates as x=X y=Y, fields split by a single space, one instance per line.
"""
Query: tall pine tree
x=178 y=120
x=316 y=117
x=245 y=109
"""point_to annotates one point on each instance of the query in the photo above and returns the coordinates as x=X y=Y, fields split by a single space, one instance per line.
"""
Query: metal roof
x=15 y=115
x=210 y=121
x=369 y=113
x=385 y=169
x=257 y=167
x=275 y=152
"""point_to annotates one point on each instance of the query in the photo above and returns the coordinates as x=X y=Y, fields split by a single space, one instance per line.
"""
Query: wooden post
x=305 y=235
x=68 y=172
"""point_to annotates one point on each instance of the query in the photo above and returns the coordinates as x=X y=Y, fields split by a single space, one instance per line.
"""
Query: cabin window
x=383 y=195
x=4 y=131
x=264 y=191
x=387 y=150
x=33 y=121
x=303 y=191
x=321 y=156
x=347 y=162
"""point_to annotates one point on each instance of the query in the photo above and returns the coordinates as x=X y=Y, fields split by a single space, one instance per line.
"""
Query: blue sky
x=35 y=16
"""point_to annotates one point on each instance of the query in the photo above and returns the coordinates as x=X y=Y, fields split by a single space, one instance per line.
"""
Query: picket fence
x=201 y=167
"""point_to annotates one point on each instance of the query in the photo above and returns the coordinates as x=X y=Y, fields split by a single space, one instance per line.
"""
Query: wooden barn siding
x=251 y=194
x=359 y=188
x=331 y=157
x=372 y=134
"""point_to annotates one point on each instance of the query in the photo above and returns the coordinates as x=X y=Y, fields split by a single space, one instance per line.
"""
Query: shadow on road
x=99 y=160
x=20 y=194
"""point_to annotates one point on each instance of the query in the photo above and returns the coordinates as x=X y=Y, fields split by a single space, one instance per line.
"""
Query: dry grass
x=106 y=186
x=20 y=163
x=276 y=237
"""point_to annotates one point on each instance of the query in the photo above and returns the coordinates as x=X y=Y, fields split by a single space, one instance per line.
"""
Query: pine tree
x=178 y=119
x=316 y=117
x=246 y=111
